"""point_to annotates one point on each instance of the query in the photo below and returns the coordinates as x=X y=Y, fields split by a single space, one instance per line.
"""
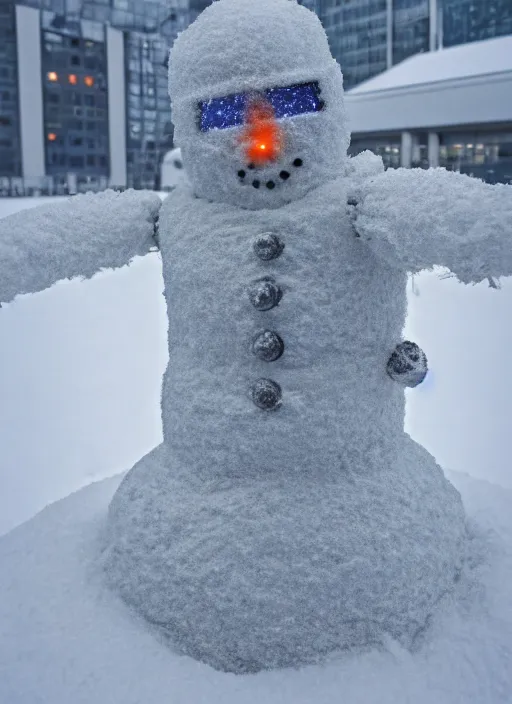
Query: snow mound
x=64 y=636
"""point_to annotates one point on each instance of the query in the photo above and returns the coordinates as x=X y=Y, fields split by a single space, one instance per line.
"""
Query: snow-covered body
x=258 y=539
x=340 y=316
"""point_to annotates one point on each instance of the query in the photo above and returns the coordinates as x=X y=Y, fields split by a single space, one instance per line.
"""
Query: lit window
x=52 y=76
x=89 y=81
x=52 y=136
x=72 y=79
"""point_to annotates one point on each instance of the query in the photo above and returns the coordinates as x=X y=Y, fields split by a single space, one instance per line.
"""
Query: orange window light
x=52 y=136
x=89 y=81
x=72 y=79
x=52 y=76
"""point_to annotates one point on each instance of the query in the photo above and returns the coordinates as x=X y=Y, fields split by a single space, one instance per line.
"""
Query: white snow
x=417 y=218
x=80 y=389
x=483 y=58
x=65 y=638
x=194 y=549
x=239 y=46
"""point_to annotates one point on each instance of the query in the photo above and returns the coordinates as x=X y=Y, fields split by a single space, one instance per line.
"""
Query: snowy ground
x=66 y=639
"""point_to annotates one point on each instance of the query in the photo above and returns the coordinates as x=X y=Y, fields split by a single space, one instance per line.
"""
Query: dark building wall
x=10 y=147
x=472 y=20
x=75 y=106
x=411 y=28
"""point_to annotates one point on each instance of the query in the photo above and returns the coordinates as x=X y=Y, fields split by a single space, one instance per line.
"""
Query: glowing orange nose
x=262 y=137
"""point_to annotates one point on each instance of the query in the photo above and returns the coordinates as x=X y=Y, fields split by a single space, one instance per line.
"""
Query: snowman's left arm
x=416 y=219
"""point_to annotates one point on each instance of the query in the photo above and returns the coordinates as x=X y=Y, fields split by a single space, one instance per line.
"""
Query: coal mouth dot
x=256 y=183
x=241 y=173
x=297 y=162
x=284 y=175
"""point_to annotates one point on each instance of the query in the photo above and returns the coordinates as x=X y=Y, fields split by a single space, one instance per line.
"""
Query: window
x=76 y=161
x=52 y=76
x=91 y=160
x=5 y=121
x=89 y=99
x=53 y=98
x=75 y=60
x=76 y=141
x=89 y=81
x=72 y=78
x=90 y=126
x=103 y=160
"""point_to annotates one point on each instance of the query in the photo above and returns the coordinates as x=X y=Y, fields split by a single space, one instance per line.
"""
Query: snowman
x=286 y=515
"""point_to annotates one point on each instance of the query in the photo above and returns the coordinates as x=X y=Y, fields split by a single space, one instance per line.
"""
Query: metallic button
x=266 y=394
x=268 y=246
x=268 y=346
x=264 y=293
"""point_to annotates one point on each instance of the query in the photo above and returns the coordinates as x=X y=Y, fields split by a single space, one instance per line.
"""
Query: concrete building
x=450 y=108
x=83 y=92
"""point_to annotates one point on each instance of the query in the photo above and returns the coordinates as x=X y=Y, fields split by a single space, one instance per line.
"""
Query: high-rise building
x=472 y=20
x=83 y=92
x=369 y=36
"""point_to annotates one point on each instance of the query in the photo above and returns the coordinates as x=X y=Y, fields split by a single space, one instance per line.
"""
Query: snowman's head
x=257 y=103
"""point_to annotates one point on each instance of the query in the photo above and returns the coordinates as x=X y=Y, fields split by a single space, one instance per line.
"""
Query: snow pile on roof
x=466 y=61
x=65 y=638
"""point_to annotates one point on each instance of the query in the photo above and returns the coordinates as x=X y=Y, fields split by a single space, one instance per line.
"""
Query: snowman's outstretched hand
x=77 y=237
x=416 y=219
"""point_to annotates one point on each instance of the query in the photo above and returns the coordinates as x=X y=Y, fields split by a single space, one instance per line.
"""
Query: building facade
x=83 y=92
x=370 y=36
x=450 y=108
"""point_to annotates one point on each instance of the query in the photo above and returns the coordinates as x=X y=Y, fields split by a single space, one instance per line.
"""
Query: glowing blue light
x=288 y=101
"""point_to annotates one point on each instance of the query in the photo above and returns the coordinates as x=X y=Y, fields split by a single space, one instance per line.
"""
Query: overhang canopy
x=468 y=84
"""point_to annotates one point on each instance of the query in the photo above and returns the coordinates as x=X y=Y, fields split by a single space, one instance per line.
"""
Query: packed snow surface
x=65 y=638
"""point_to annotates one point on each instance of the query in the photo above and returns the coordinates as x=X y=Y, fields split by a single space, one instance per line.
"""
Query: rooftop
x=490 y=56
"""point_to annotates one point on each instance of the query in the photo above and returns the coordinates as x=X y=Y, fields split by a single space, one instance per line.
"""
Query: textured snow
x=65 y=638
x=77 y=237
x=416 y=218
x=259 y=540
x=266 y=539
x=243 y=45
x=483 y=58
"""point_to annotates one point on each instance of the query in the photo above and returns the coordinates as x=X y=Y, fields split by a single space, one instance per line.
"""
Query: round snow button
x=268 y=346
x=267 y=246
x=264 y=294
x=266 y=394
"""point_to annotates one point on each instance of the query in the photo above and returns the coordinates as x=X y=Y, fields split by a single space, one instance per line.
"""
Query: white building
x=451 y=107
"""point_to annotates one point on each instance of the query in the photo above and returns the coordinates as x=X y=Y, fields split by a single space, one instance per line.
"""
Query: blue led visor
x=229 y=111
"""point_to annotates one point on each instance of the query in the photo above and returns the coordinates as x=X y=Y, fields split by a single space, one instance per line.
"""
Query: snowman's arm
x=416 y=219
x=77 y=237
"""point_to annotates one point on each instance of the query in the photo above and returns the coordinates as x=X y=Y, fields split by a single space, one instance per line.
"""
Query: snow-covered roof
x=464 y=85
x=490 y=56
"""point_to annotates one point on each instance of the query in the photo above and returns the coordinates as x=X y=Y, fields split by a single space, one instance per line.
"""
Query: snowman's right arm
x=78 y=237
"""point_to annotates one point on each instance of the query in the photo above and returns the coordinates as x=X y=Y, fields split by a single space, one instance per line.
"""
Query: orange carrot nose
x=262 y=137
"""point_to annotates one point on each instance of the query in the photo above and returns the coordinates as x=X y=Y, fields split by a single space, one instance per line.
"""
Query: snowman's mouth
x=244 y=175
